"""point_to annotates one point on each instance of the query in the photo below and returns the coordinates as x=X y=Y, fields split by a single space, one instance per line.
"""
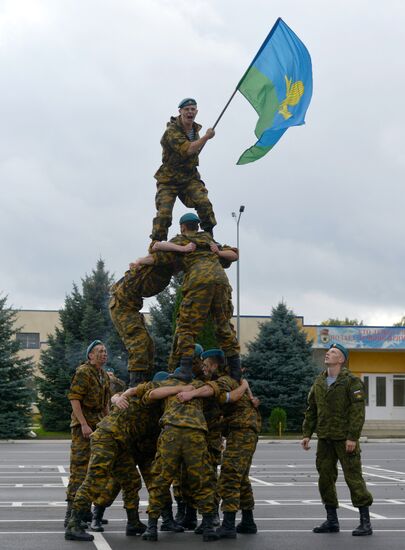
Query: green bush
x=278 y=416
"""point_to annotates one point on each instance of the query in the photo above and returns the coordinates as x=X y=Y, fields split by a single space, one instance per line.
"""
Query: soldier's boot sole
x=97 y=527
x=226 y=534
x=150 y=536
x=246 y=529
x=172 y=526
x=132 y=531
x=362 y=533
x=321 y=529
x=189 y=525
x=83 y=537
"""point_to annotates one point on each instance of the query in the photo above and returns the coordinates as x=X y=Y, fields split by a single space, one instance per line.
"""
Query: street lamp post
x=237 y=219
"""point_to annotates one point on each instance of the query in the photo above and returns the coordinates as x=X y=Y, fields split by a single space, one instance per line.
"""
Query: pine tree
x=84 y=318
x=16 y=380
x=280 y=367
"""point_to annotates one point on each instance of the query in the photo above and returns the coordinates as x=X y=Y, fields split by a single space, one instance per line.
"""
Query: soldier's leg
x=195 y=195
x=104 y=499
x=165 y=198
x=351 y=466
x=326 y=465
x=79 y=460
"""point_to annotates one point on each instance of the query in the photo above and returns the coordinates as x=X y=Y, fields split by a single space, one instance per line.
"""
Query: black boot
x=137 y=377
x=190 y=518
x=234 y=367
x=168 y=523
x=227 y=529
x=331 y=525
x=216 y=522
x=181 y=510
x=134 y=524
x=151 y=530
x=208 y=533
x=68 y=513
x=87 y=516
x=74 y=529
x=97 y=521
x=247 y=525
x=365 y=525
x=185 y=371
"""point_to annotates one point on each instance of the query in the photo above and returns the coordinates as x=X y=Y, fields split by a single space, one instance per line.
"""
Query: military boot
x=185 y=371
x=190 y=518
x=227 y=529
x=134 y=524
x=137 y=377
x=209 y=532
x=216 y=522
x=74 y=530
x=97 y=521
x=331 y=525
x=87 y=516
x=168 y=523
x=247 y=525
x=151 y=530
x=181 y=510
x=234 y=367
x=68 y=513
x=365 y=525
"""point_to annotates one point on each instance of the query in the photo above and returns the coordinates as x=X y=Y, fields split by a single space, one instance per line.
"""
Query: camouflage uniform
x=125 y=304
x=242 y=425
x=178 y=177
x=205 y=292
x=182 y=441
x=123 y=438
x=90 y=386
x=336 y=413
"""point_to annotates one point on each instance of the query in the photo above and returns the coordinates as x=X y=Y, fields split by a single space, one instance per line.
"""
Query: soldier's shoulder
x=83 y=368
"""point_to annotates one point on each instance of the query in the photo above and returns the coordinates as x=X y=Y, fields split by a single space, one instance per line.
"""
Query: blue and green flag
x=278 y=84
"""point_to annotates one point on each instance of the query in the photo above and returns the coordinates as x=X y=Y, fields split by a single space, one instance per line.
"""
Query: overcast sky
x=86 y=90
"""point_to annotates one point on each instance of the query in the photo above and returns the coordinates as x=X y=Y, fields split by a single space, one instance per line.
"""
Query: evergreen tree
x=84 y=318
x=280 y=367
x=342 y=322
x=16 y=380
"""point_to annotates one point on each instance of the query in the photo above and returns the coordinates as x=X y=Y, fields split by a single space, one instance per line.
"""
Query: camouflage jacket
x=90 y=386
x=132 y=425
x=201 y=267
x=141 y=282
x=177 y=166
x=338 y=411
x=239 y=415
x=182 y=415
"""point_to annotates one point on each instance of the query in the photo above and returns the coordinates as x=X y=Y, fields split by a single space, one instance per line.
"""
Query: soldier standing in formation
x=336 y=412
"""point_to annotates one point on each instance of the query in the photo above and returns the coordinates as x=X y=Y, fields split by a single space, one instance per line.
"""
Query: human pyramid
x=170 y=430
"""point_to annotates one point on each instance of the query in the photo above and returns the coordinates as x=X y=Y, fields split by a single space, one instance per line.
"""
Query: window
x=28 y=340
x=399 y=390
x=381 y=391
x=366 y=386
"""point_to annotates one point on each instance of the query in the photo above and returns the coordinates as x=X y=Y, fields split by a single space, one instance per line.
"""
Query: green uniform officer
x=178 y=175
x=336 y=412
x=89 y=395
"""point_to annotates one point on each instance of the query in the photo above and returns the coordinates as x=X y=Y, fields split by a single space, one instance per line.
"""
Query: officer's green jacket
x=338 y=411
x=177 y=166
x=240 y=414
x=90 y=386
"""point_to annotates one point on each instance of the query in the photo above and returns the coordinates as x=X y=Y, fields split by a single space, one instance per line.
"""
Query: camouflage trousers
x=79 y=460
x=235 y=489
x=328 y=453
x=197 y=304
x=192 y=194
x=131 y=327
x=108 y=458
x=184 y=447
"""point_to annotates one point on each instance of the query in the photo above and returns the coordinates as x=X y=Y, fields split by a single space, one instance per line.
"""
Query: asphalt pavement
x=34 y=474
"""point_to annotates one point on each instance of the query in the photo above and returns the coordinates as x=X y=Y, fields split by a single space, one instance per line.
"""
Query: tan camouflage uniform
x=178 y=177
x=181 y=442
x=336 y=413
x=90 y=386
x=242 y=425
x=125 y=304
x=206 y=292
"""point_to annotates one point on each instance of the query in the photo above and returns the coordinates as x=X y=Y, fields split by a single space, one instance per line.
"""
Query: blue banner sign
x=361 y=337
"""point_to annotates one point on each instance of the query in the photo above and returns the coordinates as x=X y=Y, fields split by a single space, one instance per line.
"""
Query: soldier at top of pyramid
x=178 y=175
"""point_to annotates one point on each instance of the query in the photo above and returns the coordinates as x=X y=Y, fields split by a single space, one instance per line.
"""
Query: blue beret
x=198 y=350
x=212 y=353
x=93 y=345
x=186 y=102
x=341 y=348
x=160 y=376
x=109 y=369
x=189 y=217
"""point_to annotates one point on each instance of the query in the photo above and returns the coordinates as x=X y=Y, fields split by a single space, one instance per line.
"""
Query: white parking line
x=100 y=542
